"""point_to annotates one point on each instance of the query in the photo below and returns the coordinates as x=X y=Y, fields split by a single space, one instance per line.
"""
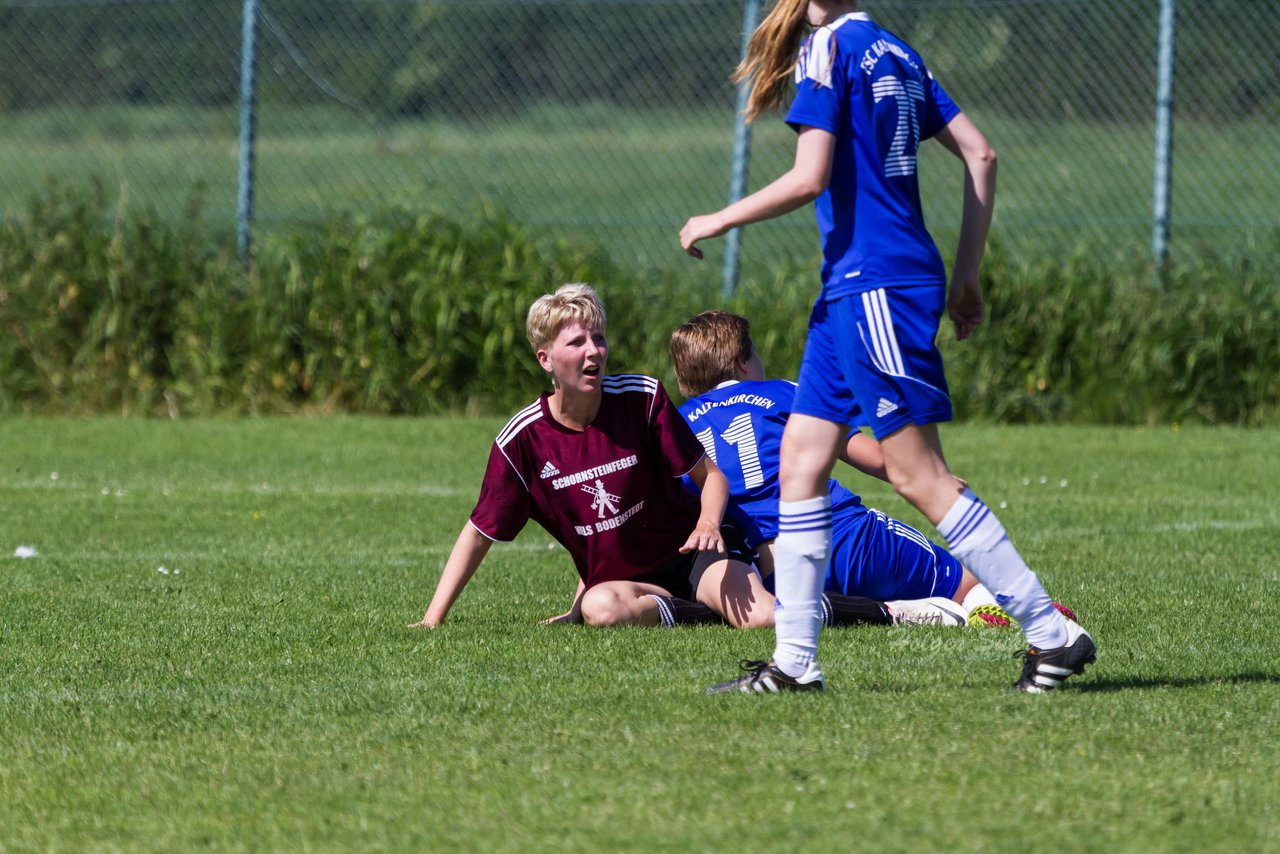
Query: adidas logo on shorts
x=885 y=407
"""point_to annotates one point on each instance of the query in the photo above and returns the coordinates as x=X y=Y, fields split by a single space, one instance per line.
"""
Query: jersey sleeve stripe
x=629 y=382
x=522 y=419
x=515 y=468
x=815 y=59
x=622 y=383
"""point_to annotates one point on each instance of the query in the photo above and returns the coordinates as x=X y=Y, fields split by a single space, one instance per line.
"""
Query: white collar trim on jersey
x=725 y=384
x=851 y=16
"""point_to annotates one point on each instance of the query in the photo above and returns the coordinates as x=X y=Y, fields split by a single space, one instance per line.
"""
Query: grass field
x=629 y=178
x=262 y=692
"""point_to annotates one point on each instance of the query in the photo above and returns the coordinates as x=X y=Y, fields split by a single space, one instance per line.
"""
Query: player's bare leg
x=734 y=590
x=916 y=468
x=621 y=603
x=631 y=603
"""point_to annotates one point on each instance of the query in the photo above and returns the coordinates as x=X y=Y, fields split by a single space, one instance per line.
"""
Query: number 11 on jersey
x=741 y=435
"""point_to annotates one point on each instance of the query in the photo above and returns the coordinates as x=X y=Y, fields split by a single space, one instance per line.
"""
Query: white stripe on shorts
x=884 y=341
x=902 y=529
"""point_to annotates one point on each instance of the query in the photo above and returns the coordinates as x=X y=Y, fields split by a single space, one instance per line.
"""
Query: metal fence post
x=1160 y=204
x=741 y=154
x=248 y=122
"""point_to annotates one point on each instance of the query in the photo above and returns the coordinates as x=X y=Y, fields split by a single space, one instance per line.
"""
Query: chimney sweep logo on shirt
x=602 y=499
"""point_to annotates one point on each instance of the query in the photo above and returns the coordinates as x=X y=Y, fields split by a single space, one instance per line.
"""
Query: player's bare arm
x=468 y=551
x=714 y=487
x=964 y=302
x=795 y=188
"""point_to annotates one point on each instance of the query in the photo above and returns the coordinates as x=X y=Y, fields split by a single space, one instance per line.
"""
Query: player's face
x=577 y=357
x=820 y=13
x=753 y=368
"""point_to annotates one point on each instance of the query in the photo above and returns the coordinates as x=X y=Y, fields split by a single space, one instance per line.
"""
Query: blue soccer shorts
x=877 y=556
x=870 y=360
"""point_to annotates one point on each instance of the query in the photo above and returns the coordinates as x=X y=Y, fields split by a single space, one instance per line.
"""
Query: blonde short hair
x=706 y=349
x=549 y=313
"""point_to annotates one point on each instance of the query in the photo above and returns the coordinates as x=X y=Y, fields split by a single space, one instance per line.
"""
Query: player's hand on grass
x=705 y=538
x=700 y=228
x=566 y=617
x=427 y=622
x=964 y=306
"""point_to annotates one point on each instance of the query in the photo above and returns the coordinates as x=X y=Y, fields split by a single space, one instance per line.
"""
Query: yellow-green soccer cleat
x=993 y=616
x=990 y=617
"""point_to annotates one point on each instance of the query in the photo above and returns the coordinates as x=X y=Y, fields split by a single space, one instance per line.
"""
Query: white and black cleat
x=1044 y=671
x=763 y=677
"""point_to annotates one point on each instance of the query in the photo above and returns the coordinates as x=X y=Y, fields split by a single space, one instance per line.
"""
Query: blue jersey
x=740 y=424
x=873 y=92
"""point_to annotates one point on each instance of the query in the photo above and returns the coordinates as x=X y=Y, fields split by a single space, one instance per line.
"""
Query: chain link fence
x=614 y=121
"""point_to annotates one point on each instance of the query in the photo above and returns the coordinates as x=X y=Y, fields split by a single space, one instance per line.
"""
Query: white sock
x=800 y=556
x=976 y=537
x=979 y=594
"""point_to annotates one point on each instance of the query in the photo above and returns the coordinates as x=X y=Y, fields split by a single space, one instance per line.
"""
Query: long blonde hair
x=771 y=56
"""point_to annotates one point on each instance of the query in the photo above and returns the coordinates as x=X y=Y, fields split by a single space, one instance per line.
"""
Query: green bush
x=1087 y=339
x=93 y=305
x=402 y=313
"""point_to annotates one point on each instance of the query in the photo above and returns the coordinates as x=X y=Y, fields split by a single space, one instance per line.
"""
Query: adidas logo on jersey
x=885 y=407
x=549 y=470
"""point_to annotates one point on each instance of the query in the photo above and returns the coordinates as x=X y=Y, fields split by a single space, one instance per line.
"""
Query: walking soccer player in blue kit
x=863 y=103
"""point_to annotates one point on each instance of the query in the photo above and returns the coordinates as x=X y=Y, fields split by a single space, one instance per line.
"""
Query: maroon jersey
x=611 y=494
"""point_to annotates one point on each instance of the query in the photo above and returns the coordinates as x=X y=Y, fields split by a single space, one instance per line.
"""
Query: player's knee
x=602 y=607
x=803 y=479
x=749 y=611
x=909 y=488
x=802 y=472
x=922 y=485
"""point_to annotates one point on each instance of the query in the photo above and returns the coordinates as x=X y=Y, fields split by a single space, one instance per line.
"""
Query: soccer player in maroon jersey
x=598 y=462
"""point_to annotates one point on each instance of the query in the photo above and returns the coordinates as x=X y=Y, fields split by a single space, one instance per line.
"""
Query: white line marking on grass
x=250 y=489
x=337 y=489
x=1212 y=525
x=283 y=554
x=220 y=690
x=1085 y=533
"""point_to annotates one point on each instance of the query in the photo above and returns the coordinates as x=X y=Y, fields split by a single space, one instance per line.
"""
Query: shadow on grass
x=1172 y=682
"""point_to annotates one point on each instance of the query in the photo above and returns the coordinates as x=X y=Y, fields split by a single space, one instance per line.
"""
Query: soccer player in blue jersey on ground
x=864 y=102
x=739 y=417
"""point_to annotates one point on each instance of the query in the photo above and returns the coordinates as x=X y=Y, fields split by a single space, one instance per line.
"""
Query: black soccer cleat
x=1046 y=671
x=763 y=677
